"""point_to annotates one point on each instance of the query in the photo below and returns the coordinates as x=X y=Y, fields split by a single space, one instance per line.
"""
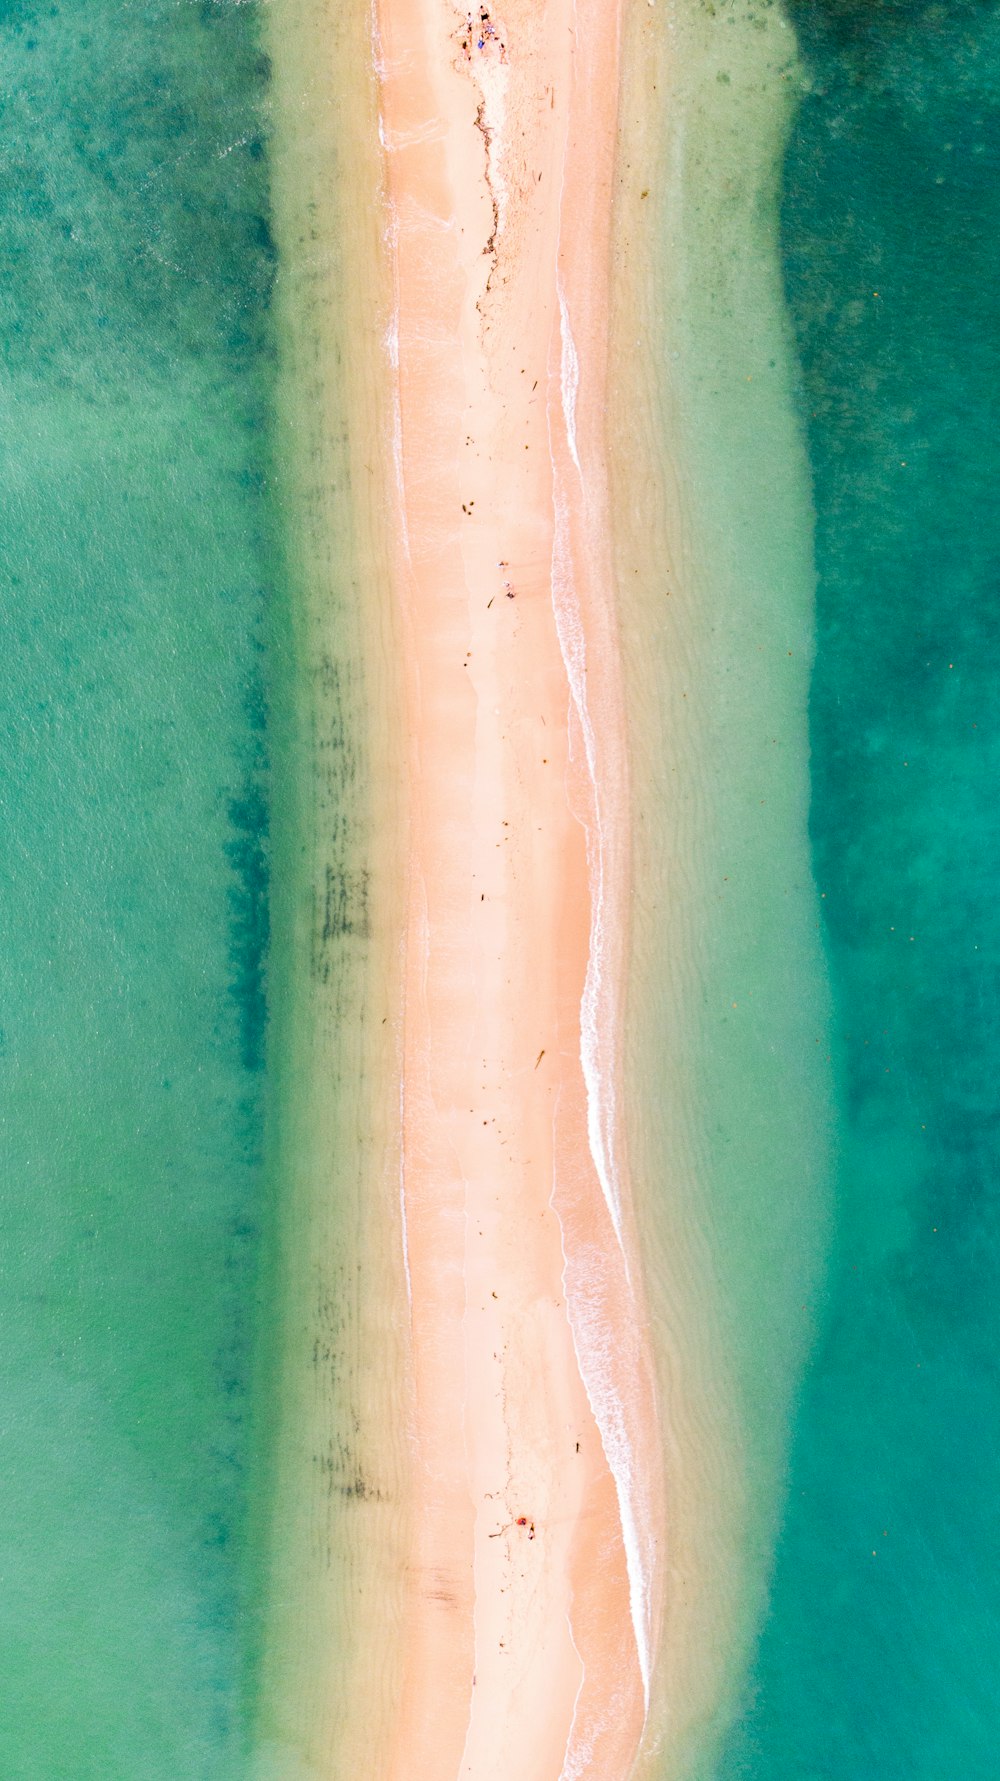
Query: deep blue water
x=136 y=570
x=879 y=1654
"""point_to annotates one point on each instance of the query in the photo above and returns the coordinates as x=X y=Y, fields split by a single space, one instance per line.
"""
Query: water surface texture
x=136 y=268
x=878 y=1655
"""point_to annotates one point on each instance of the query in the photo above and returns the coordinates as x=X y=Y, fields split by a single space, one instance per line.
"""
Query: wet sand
x=531 y=1587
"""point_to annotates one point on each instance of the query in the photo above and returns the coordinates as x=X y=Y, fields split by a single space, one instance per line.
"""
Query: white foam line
x=375 y=38
x=606 y=1406
x=592 y=1349
x=571 y=1769
x=604 y=1401
x=569 y=374
x=572 y=646
x=430 y=131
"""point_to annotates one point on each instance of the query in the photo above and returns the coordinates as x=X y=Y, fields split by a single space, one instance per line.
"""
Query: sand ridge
x=532 y=1585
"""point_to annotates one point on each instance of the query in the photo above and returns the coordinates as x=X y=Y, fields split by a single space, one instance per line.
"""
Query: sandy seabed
x=531 y=1594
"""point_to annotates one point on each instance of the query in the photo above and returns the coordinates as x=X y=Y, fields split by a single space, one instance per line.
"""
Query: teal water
x=135 y=563
x=878 y=1655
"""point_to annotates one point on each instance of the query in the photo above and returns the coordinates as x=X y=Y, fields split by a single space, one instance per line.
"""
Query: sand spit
x=531 y=1592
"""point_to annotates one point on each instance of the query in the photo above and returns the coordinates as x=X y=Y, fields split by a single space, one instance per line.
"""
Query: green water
x=727 y=1073
x=138 y=595
x=878 y=1655
x=135 y=565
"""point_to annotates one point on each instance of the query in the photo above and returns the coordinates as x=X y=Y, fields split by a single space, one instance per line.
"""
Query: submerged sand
x=532 y=1580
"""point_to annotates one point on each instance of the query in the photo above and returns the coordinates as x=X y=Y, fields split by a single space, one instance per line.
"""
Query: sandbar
x=532 y=1583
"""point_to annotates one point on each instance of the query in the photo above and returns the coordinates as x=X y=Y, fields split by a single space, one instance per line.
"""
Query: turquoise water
x=135 y=564
x=878 y=1656
x=137 y=581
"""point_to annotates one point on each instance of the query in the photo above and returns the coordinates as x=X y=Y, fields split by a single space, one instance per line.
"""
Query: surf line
x=599 y=1018
x=533 y=1553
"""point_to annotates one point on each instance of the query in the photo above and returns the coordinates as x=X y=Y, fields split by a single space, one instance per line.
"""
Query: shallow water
x=878 y=1654
x=139 y=583
x=727 y=1073
x=135 y=565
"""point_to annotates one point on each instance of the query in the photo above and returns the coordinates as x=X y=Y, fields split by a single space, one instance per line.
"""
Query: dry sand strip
x=532 y=1595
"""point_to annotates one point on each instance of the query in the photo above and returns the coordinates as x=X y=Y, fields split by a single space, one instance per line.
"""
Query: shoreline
x=528 y=1641
x=333 y=1492
x=727 y=1007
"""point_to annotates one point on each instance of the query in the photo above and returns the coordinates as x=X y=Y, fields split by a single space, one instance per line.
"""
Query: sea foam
x=593 y=1337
